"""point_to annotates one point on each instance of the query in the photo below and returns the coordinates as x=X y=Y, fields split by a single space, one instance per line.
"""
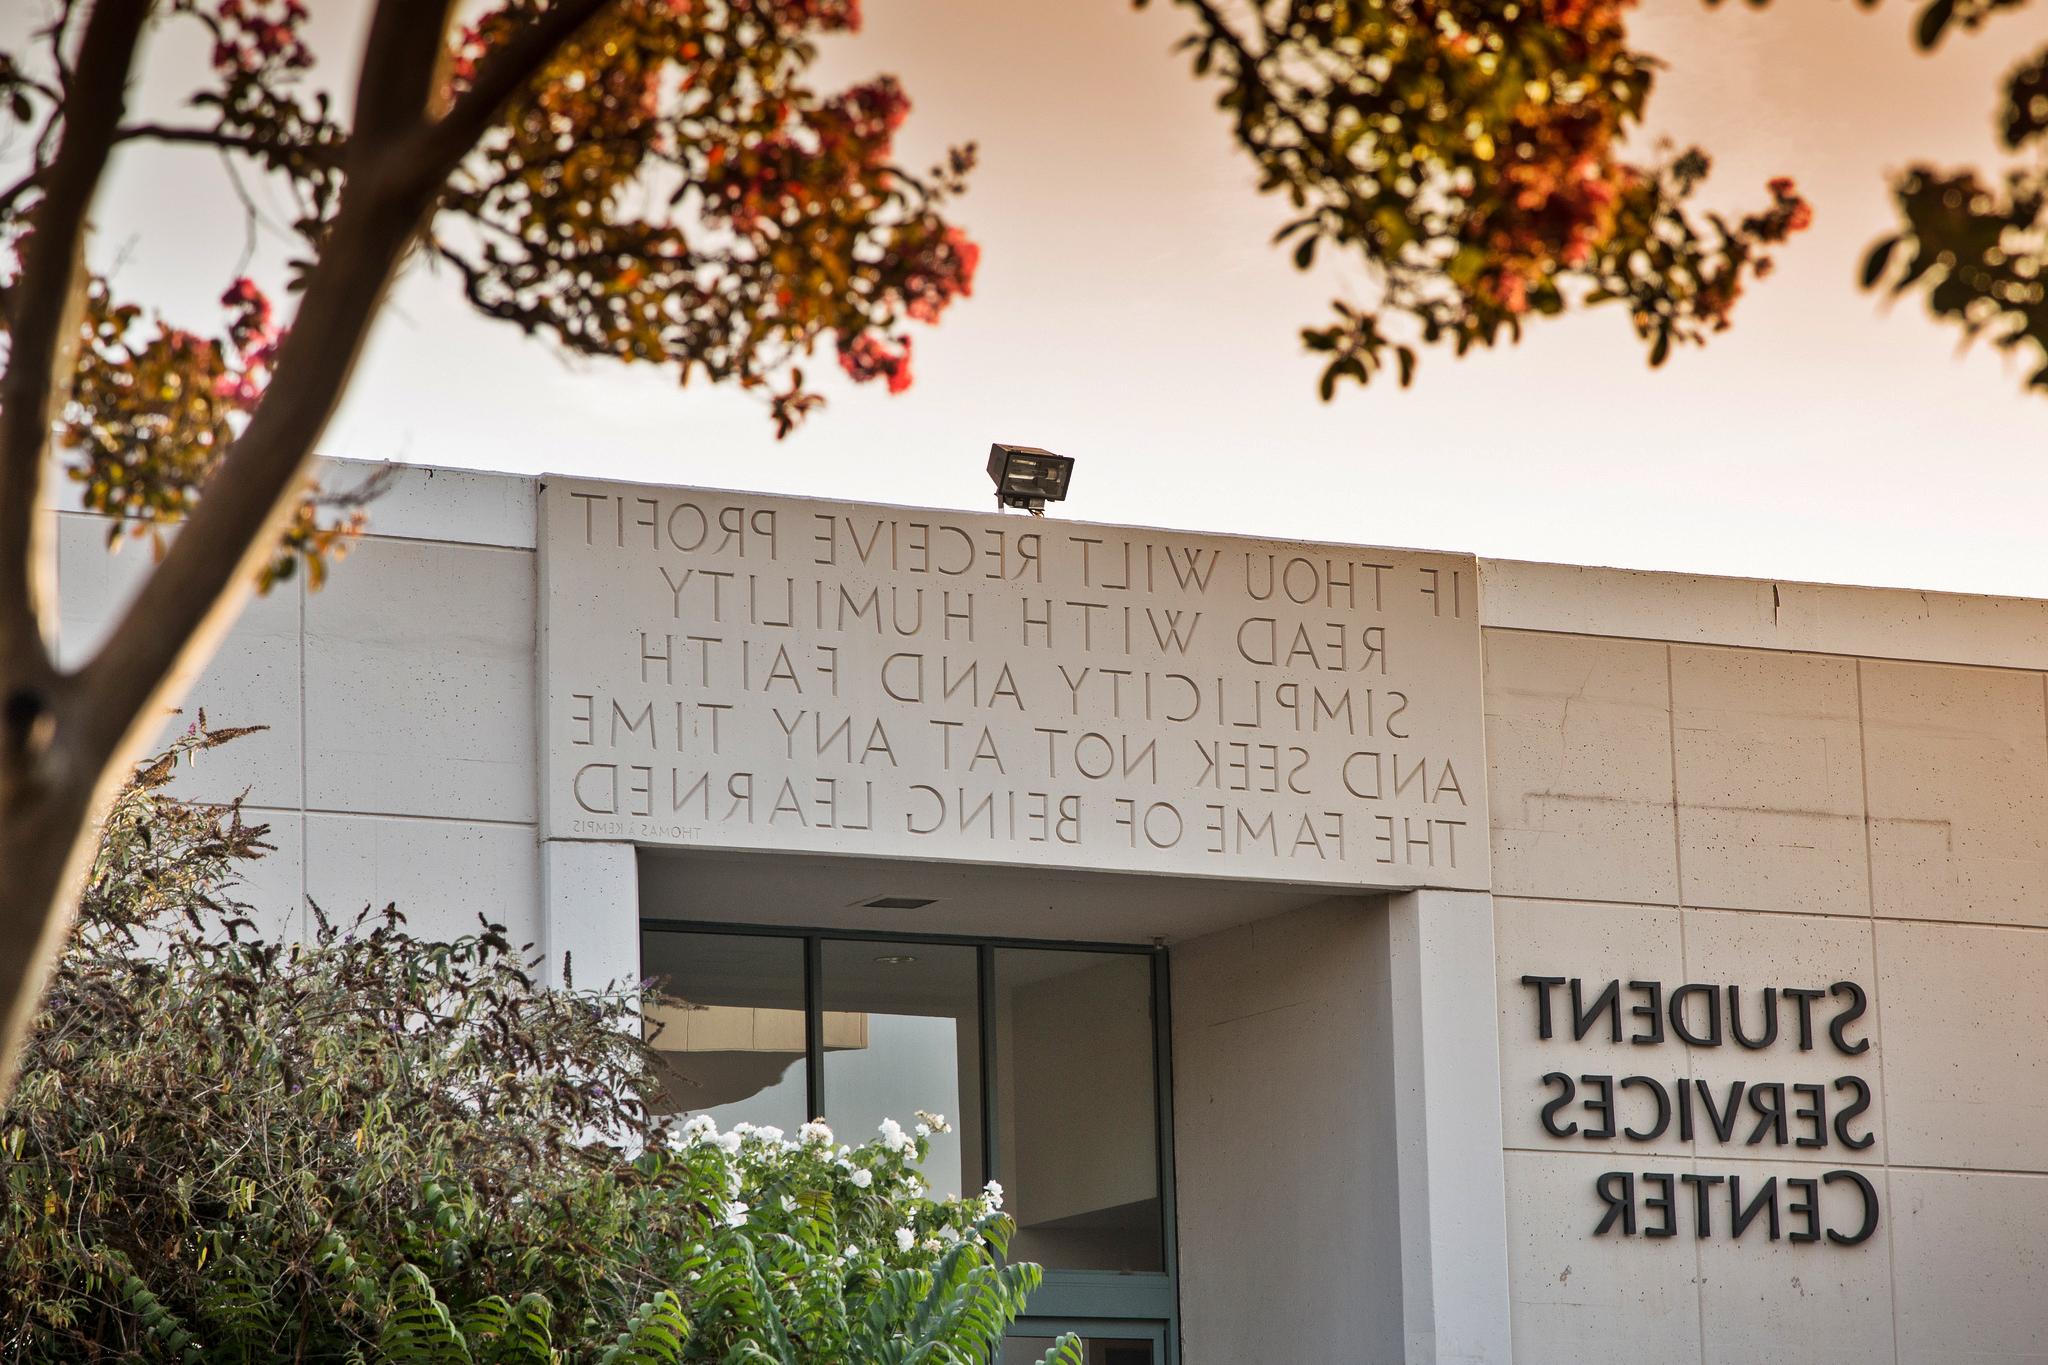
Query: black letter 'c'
x=1869 y=1193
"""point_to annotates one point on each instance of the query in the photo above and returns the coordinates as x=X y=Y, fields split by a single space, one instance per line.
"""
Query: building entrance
x=1047 y=1060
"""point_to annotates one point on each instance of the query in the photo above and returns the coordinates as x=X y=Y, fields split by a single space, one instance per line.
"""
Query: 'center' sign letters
x=740 y=672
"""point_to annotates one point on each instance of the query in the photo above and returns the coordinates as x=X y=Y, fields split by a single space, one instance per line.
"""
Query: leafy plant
x=645 y=181
x=375 y=1147
x=1978 y=251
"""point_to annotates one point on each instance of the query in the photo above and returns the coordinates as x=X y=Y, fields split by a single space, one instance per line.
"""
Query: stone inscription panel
x=732 y=671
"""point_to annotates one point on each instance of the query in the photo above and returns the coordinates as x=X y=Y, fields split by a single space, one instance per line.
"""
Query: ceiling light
x=896 y=903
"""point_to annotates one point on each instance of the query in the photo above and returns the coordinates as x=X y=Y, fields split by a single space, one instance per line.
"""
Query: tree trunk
x=47 y=836
x=67 y=739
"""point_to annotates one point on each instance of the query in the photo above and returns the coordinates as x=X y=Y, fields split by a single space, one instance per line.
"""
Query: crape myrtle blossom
x=756 y=1175
x=671 y=190
x=856 y=1216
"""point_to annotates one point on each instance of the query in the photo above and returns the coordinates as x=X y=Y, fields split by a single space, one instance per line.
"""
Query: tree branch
x=226 y=142
x=188 y=602
x=28 y=181
x=395 y=87
x=42 y=318
x=504 y=72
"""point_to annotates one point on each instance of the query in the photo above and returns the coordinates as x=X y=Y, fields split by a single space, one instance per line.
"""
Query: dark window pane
x=902 y=1034
x=1097 y=1350
x=731 y=1042
x=1076 y=1096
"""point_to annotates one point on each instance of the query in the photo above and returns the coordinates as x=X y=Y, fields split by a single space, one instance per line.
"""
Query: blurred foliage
x=1977 y=251
x=1936 y=17
x=152 y=409
x=1975 y=245
x=1469 y=154
x=375 y=1146
x=670 y=190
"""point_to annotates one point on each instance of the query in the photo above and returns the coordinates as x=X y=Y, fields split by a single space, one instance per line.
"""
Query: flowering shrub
x=1483 y=163
x=378 y=1147
x=663 y=186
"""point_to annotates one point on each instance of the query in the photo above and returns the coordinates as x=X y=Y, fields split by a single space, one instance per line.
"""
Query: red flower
x=943 y=271
x=866 y=358
x=801 y=14
x=866 y=115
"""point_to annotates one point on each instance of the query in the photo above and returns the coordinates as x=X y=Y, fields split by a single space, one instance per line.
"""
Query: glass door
x=1102 y=1343
x=1049 y=1061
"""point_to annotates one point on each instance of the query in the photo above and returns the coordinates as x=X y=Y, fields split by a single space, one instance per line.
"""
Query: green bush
x=372 y=1147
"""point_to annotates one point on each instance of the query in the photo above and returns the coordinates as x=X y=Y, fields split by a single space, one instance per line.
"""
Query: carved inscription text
x=749 y=672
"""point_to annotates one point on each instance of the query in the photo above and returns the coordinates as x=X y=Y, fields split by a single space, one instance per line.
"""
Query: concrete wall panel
x=253 y=679
x=1971 y=1277
x=1808 y=1301
x=274 y=886
x=1958 y=771
x=421 y=502
x=420 y=683
x=1283 y=1142
x=1964 y=1014
x=1578 y=744
x=1770 y=781
x=1581 y=1300
x=441 y=873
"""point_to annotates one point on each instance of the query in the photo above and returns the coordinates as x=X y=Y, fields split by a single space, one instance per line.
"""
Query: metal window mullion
x=1162 y=1090
x=985 y=1020
x=814 y=1026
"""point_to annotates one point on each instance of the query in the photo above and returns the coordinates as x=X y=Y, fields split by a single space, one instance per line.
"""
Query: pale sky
x=1130 y=313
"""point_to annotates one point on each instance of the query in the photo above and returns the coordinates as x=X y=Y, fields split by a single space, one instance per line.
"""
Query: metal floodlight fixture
x=1028 y=477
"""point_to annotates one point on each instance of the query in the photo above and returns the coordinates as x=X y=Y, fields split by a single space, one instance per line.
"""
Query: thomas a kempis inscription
x=734 y=671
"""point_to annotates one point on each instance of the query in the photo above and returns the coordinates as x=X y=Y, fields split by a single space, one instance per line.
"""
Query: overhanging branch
x=42 y=318
x=502 y=74
x=263 y=148
x=188 y=601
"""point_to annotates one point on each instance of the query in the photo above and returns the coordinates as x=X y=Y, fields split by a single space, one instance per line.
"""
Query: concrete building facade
x=1546 y=963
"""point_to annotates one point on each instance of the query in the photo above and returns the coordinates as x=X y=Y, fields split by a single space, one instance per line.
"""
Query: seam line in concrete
x=1786 y=1158
x=1891 y=1251
x=1928 y=661
x=1699 y=1269
x=1873 y=919
x=401 y=815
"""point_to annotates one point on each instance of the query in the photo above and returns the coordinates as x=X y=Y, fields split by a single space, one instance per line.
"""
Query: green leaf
x=1880 y=256
x=1933 y=20
x=1066 y=1351
x=419 y=1330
